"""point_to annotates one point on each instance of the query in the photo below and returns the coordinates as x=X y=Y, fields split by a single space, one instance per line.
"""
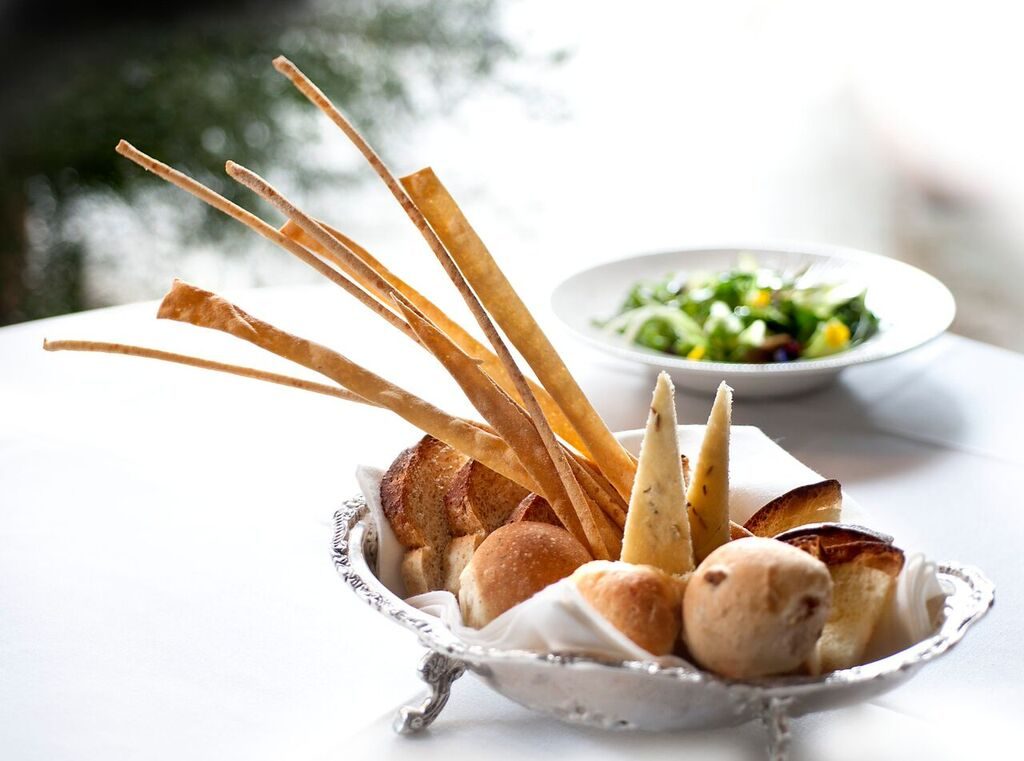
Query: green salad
x=746 y=314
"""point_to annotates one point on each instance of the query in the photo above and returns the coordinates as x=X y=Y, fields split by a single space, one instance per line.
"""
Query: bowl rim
x=870 y=351
x=354 y=548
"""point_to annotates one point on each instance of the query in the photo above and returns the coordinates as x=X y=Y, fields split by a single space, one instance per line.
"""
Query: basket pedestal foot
x=775 y=717
x=438 y=671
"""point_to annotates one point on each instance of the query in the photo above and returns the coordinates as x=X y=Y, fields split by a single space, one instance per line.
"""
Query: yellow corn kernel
x=837 y=334
x=697 y=352
x=761 y=299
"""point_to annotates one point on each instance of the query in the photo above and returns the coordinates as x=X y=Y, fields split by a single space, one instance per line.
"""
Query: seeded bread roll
x=641 y=601
x=512 y=564
x=756 y=607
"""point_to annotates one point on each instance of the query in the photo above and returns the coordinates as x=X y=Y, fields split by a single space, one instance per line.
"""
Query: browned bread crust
x=641 y=601
x=412 y=493
x=534 y=508
x=515 y=562
x=881 y=557
x=811 y=544
x=736 y=531
x=813 y=503
x=480 y=500
x=835 y=533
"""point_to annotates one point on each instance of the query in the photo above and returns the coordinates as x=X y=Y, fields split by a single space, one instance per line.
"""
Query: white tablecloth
x=166 y=590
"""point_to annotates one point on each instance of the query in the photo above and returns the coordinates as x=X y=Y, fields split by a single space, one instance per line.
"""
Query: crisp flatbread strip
x=204 y=364
x=459 y=335
x=515 y=427
x=494 y=290
x=361 y=272
x=187 y=303
x=553 y=447
x=256 y=224
x=604 y=483
x=596 y=493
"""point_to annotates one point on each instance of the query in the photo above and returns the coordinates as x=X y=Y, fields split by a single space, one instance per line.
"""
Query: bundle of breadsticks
x=650 y=548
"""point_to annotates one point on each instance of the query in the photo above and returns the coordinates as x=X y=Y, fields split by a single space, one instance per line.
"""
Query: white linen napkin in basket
x=559 y=620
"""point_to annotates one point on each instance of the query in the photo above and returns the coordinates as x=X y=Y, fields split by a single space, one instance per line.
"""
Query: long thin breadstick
x=462 y=338
x=205 y=364
x=364 y=272
x=324 y=241
x=340 y=254
x=256 y=224
x=479 y=268
x=602 y=482
x=187 y=303
x=597 y=494
x=511 y=423
x=554 y=450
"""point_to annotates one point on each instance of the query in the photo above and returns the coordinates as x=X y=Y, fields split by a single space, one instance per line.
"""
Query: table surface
x=166 y=590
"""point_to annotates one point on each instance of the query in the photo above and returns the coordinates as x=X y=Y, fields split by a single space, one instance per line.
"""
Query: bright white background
x=888 y=126
x=165 y=585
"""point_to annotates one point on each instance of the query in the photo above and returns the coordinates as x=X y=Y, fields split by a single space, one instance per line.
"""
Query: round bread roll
x=641 y=601
x=512 y=564
x=756 y=607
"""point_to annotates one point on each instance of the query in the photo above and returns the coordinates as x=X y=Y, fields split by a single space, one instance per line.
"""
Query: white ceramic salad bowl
x=913 y=307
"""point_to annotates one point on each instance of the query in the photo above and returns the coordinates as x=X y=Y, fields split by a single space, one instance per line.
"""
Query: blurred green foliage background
x=191 y=83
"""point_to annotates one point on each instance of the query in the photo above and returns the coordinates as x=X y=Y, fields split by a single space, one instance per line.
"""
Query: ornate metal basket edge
x=354 y=552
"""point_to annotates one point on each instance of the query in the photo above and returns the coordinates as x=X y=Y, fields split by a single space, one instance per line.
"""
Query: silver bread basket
x=635 y=694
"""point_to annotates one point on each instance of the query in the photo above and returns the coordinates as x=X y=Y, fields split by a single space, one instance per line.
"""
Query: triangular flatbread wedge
x=657 y=531
x=708 y=494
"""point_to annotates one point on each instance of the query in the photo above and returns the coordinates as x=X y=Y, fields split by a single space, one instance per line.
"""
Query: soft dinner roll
x=756 y=607
x=641 y=601
x=512 y=564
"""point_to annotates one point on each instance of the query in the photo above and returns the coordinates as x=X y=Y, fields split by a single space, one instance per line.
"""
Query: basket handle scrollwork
x=438 y=671
x=775 y=717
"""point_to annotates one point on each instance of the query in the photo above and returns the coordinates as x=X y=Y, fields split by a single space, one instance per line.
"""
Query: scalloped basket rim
x=355 y=540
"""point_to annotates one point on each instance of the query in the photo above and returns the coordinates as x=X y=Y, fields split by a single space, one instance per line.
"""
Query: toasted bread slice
x=534 y=508
x=460 y=552
x=421 y=571
x=480 y=500
x=813 y=503
x=863 y=577
x=834 y=533
x=736 y=531
x=809 y=543
x=412 y=493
